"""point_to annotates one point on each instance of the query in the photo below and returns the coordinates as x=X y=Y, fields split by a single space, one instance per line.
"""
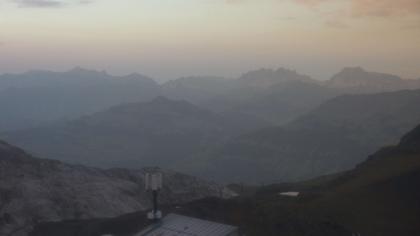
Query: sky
x=167 y=39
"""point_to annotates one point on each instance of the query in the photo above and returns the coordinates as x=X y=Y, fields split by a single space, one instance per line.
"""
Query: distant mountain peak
x=162 y=99
x=269 y=72
x=133 y=75
x=81 y=70
x=357 y=77
x=359 y=73
x=157 y=105
x=37 y=72
x=348 y=73
x=137 y=77
x=356 y=69
x=267 y=77
x=285 y=70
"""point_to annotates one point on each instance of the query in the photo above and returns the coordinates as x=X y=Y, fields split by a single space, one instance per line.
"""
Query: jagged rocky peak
x=353 y=70
x=81 y=70
x=74 y=71
x=361 y=73
x=76 y=75
x=198 y=82
x=136 y=76
x=268 y=77
x=356 y=79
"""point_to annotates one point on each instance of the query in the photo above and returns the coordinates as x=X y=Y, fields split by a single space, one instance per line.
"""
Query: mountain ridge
x=336 y=136
x=158 y=132
x=357 y=79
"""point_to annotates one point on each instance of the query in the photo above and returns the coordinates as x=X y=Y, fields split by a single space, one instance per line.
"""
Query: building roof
x=178 y=225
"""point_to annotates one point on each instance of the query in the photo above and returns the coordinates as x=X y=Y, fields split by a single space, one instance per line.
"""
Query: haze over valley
x=217 y=128
x=209 y=118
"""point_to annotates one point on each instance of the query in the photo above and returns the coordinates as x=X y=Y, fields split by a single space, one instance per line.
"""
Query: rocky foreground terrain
x=34 y=190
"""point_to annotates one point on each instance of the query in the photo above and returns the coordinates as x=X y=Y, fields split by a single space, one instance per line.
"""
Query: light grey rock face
x=34 y=190
x=265 y=78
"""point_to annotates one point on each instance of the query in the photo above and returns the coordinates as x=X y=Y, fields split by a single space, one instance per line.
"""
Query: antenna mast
x=153 y=183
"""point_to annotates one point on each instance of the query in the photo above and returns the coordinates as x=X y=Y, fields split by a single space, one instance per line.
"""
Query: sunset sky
x=172 y=38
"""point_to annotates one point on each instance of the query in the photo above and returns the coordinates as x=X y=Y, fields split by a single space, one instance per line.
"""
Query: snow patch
x=289 y=194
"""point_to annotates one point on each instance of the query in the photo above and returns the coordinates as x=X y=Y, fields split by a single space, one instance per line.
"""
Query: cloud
x=363 y=8
x=385 y=8
x=346 y=10
x=337 y=23
x=234 y=1
x=49 y=3
x=39 y=3
x=373 y=8
x=310 y=2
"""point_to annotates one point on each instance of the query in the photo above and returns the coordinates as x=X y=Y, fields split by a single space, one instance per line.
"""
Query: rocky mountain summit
x=357 y=79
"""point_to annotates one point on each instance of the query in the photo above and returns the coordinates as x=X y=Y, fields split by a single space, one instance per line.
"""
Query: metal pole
x=155 y=202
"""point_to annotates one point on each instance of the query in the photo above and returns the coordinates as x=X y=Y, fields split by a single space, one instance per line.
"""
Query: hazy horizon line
x=162 y=80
